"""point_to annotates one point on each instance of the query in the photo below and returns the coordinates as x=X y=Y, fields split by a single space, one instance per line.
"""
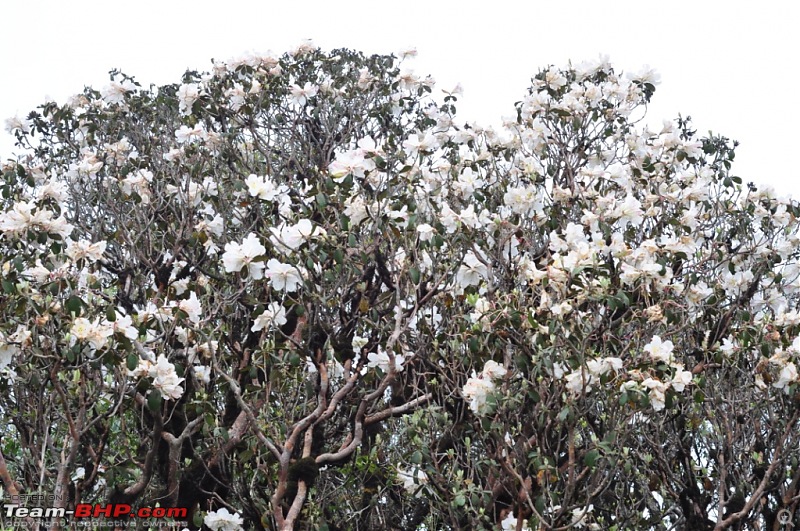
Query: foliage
x=297 y=289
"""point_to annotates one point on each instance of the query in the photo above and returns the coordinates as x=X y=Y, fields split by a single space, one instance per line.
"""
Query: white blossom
x=274 y=315
x=472 y=271
x=192 y=307
x=223 y=520
x=381 y=360
x=660 y=351
x=237 y=256
x=282 y=276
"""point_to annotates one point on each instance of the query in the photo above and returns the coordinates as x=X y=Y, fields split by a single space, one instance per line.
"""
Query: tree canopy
x=296 y=292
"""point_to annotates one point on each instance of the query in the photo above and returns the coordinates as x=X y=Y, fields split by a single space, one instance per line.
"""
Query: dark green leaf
x=154 y=401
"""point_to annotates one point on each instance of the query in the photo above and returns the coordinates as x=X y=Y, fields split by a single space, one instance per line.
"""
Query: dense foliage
x=296 y=293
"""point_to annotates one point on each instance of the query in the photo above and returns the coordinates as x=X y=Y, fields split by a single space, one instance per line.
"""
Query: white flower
x=358 y=344
x=264 y=188
x=165 y=379
x=94 y=333
x=7 y=352
x=660 y=351
x=729 y=346
x=22 y=336
x=523 y=200
x=602 y=366
x=561 y=309
x=301 y=94
x=381 y=360
x=579 y=515
x=186 y=135
x=555 y=79
x=656 y=395
x=223 y=520
x=493 y=370
x=350 y=163
x=115 y=91
x=681 y=380
x=288 y=239
x=579 y=381
x=82 y=249
x=480 y=315
x=448 y=218
x=124 y=325
x=787 y=376
x=274 y=315
x=57 y=226
x=646 y=75
x=421 y=142
x=15 y=123
x=283 y=276
x=188 y=93
x=18 y=219
x=203 y=373
x=138 y=181
x=471 y=271
x=80 y=473
x=509 y=523
x=38 y=273
x=475 y=391
x=425 y=231
x=89 y=165
x=238 y=96
x=629 y=212
x=356 y=210
x=468 y=182
x=192 y=307
x=411 y=480
x=237 y=256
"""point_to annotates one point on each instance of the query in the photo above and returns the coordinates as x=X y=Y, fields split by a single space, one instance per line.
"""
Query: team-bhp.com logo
x=88 y=510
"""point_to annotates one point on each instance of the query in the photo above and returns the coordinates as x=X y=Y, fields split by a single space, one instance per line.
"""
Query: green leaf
x=591 y=457
x=414 y=274
x=154 y=401
x=474 y=346
x=623 y=298
x=132 y=361
x=73 y=305
x=539 y=503
x=699 y=397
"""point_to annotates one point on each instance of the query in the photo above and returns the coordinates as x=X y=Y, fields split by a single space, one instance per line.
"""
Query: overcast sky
x=731 y=66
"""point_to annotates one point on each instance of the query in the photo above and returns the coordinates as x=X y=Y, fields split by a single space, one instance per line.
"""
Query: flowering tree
x=296 y=293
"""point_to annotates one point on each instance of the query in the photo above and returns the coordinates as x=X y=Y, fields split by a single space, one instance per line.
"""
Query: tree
x=296 y=293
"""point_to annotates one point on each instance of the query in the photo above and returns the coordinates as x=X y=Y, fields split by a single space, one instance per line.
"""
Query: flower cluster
x=223 y=520
x=162 y=372
x=479 y=387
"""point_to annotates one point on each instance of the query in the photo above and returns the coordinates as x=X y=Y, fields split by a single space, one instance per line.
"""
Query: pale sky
x=732 y=66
